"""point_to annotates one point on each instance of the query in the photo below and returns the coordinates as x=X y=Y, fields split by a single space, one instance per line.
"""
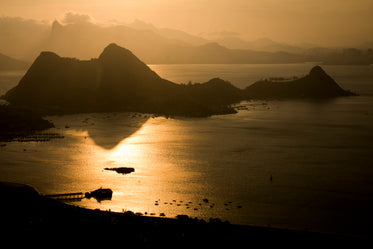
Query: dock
x=98 y=194
x=77 y=195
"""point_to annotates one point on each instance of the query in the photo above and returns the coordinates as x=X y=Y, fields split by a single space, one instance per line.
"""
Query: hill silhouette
x=118 y=81
x=317 y=84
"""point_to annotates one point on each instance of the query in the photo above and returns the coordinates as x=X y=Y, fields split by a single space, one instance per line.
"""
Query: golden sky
x=325 y=22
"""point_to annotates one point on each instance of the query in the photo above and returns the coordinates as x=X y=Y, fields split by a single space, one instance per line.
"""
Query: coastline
x=26 y=212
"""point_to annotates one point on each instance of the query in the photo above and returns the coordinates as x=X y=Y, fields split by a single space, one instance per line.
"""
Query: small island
x=122 y=170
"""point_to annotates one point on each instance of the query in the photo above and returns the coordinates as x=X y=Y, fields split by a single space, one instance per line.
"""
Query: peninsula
x=118 y=81
x=18 y=122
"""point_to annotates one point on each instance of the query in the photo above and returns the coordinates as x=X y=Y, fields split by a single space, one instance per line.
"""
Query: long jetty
x=77 y=195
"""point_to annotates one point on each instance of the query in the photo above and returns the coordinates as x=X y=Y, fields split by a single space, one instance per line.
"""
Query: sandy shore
x=25 y=213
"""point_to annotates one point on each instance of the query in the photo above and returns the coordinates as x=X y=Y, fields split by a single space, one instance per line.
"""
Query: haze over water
x=318 y=155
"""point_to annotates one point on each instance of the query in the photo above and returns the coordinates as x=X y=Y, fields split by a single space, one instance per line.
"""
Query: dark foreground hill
x=118 y=81
x=27 y=216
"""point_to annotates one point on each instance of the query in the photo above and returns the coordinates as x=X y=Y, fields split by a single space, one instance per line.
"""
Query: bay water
x=292 y=164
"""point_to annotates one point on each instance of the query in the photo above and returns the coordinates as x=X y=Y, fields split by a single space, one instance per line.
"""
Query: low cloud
x=76 y=18
x=220 y=35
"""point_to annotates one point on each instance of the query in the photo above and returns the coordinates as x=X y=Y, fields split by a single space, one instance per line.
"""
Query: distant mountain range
x=118 y=81
x=26 y=38
x=153 y=46
x=7 y=63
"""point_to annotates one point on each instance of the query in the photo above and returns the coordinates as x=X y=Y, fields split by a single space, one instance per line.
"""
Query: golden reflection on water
x=160 y=175
x=225 y=159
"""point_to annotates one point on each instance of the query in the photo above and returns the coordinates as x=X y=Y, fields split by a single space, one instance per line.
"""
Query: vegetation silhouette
x=118 y=81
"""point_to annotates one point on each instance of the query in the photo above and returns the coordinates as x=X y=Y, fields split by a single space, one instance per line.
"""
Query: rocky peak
x=317 y=71
x=56 y=26
x=115 y=51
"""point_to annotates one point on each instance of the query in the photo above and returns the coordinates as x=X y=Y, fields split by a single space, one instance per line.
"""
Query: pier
x=77 y=195
x=98 y=194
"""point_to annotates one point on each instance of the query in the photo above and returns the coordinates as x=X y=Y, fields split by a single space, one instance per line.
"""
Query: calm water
x=319 y=155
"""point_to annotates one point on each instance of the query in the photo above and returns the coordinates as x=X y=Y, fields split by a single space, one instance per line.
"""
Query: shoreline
x=28 y=213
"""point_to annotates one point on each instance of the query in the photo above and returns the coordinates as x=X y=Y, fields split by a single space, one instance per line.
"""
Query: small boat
x=100 y=194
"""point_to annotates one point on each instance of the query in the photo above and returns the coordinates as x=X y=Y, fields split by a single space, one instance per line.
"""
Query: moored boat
x=100 y=194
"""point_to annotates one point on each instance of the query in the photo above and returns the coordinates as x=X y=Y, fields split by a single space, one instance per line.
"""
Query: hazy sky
x=326 y=22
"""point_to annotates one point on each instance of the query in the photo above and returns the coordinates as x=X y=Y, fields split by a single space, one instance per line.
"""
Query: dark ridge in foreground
x=29 y=215
x=118 y=81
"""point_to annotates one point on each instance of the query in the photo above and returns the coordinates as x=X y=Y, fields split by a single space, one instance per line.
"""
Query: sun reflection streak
x=160 y=153
x=132 y=148
x=153 y=160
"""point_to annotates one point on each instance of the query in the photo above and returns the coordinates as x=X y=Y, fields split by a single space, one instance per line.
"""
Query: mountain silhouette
x=118 y=81
x=24 y=39
x=317 y=84
x=85 y=40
